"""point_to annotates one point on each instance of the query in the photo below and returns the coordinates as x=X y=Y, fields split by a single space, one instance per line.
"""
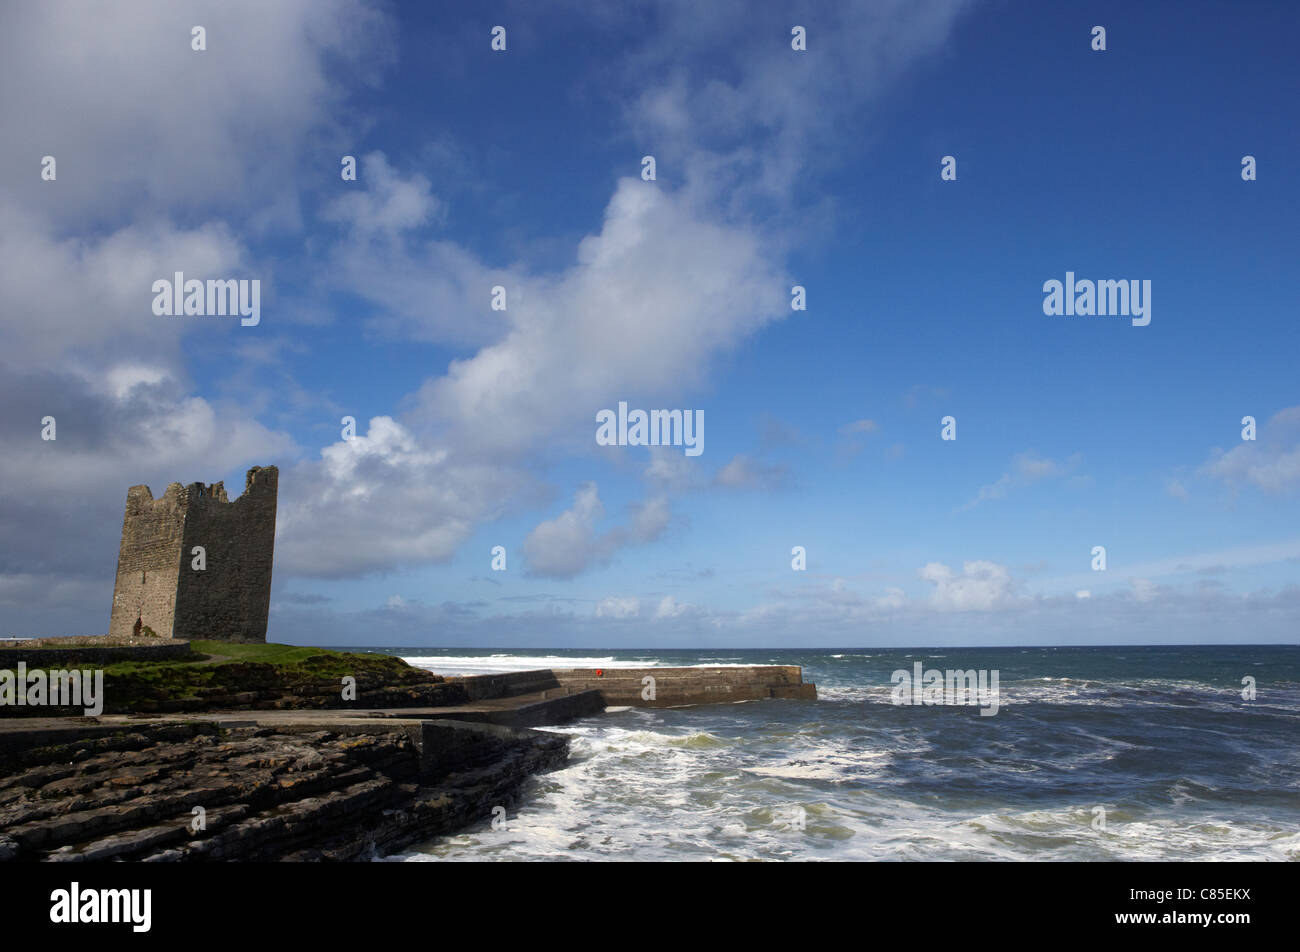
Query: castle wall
x=230 y=599
x=149 y=561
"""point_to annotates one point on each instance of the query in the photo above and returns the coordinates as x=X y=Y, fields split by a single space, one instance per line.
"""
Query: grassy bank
x=220 y=675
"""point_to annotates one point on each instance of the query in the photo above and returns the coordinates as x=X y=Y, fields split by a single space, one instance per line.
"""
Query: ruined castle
x=195 y=565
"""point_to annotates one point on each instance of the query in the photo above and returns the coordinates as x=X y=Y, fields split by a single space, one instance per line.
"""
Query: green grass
x=235 y=668
x=269 y=671
x=210 y=654
x=268 y=653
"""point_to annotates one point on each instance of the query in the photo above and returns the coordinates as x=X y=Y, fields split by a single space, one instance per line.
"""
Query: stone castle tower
x=157 y=584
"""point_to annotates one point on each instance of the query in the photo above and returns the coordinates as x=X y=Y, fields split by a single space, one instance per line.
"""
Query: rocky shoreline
x=352 y=789
x=274 y=752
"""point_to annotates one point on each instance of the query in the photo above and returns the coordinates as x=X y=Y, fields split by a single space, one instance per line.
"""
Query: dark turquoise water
x=1157 y=741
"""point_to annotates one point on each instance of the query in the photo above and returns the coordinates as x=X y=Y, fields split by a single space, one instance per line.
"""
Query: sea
x=1094 y=753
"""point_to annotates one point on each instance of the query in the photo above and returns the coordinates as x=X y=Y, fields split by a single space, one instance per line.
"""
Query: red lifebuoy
x=600 y=673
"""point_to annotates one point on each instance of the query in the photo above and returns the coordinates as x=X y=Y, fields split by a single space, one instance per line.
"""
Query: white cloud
x=386 y=203
x=382 y=499
x=1031 y=467
x=744 y=472
x=670 y=469
x=1270 y=462
x=50 y=284
x=669 y=607
x=981 y=586
x=650 y=518
x=564 y=546
x=137 y=425
x=570 y=544
x=893 y=599
x=1144 y=590
x=1026 y=469
x=140 y=122
x=655 y=295
x=424 y=289
x=615 y=607
x=732 y=106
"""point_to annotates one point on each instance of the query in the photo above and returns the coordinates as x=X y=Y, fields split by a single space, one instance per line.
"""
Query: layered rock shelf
x=342 y=790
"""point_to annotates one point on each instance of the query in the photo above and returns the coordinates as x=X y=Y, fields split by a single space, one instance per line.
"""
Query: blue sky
x=521 y=168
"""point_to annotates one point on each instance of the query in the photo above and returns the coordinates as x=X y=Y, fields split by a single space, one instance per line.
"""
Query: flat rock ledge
x=343 y=789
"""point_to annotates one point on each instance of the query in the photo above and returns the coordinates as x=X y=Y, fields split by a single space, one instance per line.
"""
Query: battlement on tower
x=193 y=564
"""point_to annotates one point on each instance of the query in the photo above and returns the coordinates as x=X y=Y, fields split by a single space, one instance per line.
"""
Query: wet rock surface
x=343 y=791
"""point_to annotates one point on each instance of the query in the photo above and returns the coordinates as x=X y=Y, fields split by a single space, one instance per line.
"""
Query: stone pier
x=620 y=687
x=681 y=687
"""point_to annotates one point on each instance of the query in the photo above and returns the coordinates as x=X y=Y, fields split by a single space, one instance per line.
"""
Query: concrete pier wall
x=618 y=687
x=676 y=687
x=479 y=687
